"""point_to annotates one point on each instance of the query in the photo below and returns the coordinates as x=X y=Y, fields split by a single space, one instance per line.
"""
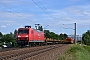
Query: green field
x=76 y=52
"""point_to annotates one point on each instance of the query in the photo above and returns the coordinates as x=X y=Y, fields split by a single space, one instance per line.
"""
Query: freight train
x=30 y=36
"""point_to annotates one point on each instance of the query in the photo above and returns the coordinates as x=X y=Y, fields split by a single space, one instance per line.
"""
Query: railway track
x=22 y=54
x=8 y=49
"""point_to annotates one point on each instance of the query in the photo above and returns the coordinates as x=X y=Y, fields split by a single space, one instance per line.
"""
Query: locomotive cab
x=23 y=36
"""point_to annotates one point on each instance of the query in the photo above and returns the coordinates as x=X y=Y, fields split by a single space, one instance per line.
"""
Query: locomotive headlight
x=26 y=36
x=19 y=36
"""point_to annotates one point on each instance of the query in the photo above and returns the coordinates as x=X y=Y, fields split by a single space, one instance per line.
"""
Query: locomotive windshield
x=23 y=31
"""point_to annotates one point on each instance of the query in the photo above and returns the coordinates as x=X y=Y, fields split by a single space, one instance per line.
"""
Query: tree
x=86 y=38
x=63 y=36
x=15 y=33
x=47 y=33
x=40 y=28
x=1 y=36
x=53 y=35
x=8 y=38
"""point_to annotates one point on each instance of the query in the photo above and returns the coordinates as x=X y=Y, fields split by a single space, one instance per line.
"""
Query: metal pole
x=75 y=33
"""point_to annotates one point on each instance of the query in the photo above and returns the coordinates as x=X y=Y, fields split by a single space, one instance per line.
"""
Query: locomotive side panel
x=31 y=35
x=37 y=36
x=42 y=36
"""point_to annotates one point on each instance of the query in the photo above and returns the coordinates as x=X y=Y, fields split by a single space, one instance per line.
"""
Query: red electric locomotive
x=29 y=36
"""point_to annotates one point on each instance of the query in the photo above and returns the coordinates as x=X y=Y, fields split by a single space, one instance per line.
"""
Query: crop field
x=76 y=52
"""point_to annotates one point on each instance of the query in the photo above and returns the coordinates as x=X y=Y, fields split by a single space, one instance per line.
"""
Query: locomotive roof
x=31 y=28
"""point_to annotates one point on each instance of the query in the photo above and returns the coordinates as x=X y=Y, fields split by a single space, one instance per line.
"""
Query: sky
x=57 y=16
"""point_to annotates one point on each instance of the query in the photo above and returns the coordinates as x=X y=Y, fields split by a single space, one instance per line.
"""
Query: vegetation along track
x=21 y=54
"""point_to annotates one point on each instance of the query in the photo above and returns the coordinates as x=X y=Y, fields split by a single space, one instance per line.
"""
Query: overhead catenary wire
x=42 y=9
x=47 y=10
x=67 y=27
x=53 y=17
x=19 y=15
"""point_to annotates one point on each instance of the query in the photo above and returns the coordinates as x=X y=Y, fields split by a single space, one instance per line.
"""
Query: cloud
x=11 y=2
x=7 y=24
x=15 y=18
x=15 y=15
x=3 y=26
x=74 y=10
x=87 y=12
x=73 y=1
x=78 y=10
x=7 y=21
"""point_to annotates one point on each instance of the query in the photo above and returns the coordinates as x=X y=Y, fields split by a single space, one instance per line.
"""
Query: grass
x=76 y=52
